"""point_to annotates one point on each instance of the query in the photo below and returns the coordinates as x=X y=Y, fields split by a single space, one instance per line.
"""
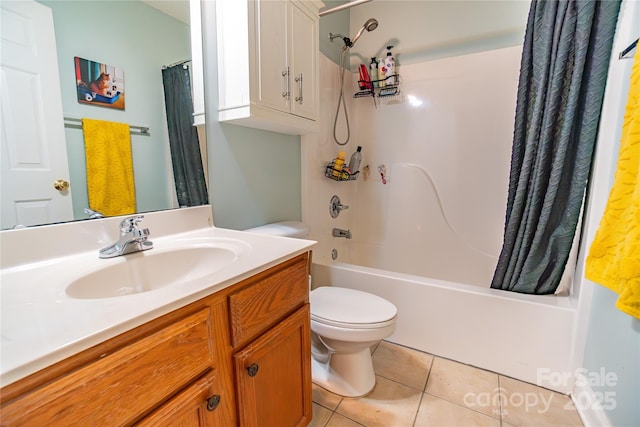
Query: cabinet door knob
x=253 y=369
x=299 y=81
x=213 y=402
x=285 y=74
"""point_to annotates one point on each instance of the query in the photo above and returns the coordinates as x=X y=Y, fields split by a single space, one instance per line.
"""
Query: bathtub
x=526 y=337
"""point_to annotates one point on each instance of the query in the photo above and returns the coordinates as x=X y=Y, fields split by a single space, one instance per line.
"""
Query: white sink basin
x=153 y=269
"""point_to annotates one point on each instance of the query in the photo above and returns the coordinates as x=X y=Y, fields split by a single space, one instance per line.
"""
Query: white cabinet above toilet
x=268 y=64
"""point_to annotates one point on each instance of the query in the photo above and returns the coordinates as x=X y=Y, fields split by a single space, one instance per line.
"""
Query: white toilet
x=345 y=323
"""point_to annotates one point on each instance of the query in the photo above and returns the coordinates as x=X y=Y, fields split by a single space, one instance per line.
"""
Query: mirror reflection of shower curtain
x=188 y=170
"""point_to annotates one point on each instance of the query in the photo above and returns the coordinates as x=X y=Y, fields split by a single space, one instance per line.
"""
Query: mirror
x=138 y=38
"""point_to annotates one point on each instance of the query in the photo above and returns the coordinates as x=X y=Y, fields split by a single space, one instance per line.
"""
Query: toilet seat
x=343 y=325
x=350 y=308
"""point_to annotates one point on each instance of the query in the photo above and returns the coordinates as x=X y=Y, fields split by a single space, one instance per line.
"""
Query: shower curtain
x=188 y=171
x=562 y=78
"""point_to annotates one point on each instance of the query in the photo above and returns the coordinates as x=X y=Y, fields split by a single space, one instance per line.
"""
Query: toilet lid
x=350 y=306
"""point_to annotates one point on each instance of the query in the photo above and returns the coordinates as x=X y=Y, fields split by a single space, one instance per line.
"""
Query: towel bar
x=77 y=123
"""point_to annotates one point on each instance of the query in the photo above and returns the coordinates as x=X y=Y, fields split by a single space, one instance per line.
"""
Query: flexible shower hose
x=341 y=101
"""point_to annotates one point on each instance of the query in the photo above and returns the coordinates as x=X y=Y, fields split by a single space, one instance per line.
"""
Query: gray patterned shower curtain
x=563 y=72
x=188 y=171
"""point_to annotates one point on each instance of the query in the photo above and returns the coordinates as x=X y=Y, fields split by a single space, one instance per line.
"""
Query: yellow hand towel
x=109 y=167
x=614 y=257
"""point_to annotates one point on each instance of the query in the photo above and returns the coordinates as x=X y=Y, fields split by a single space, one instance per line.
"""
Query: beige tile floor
x=418 y=389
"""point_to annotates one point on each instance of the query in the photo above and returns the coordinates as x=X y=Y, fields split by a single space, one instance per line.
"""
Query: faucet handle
x=335 y=207
x=130 y=223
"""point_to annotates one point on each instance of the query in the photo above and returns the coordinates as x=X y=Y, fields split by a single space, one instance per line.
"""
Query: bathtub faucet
x=339 y=232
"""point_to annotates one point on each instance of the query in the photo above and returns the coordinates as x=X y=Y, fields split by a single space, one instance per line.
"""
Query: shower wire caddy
x=339 y=175
x=379 y=91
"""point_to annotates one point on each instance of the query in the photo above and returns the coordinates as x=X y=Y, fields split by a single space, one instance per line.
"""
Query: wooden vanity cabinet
x=273 y=371
x=189 y=367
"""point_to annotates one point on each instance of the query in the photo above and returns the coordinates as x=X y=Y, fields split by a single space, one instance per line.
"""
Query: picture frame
x=99 y=84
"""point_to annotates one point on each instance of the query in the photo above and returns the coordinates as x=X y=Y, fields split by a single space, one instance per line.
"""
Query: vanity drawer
x=268 y=298
x=196 y=405
x=124 y=385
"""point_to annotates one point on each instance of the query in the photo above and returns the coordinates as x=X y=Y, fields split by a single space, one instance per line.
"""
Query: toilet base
x=349 y=375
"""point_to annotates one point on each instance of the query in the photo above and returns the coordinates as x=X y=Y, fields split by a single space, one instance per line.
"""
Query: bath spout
x=338 y=232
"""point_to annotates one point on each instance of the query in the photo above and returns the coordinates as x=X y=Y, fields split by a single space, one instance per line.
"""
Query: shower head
x=370 y=25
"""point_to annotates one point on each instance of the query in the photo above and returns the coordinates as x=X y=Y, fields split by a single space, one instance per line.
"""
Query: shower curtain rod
x=164 y=67
x=343 y=6
x=77 y=123
x=623 y=54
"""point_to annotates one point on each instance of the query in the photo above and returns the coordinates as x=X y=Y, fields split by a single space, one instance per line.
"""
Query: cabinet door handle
x=253 y=369
x=285 y=74
x=213 y=402
x=299 y=81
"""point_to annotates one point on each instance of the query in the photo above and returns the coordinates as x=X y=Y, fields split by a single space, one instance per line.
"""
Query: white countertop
x=41 y=324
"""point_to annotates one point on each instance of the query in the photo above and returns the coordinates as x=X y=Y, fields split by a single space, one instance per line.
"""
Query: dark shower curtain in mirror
x=563 y=72
x=188 y=170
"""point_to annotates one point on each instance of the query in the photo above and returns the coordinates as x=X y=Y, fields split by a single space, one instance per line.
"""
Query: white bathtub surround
x=447 y=162
x=42 y=324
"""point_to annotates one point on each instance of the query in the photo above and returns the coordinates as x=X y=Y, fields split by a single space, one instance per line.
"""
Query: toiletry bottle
x=361 y=79
x=338 y=163
x=365 y=81
x=381 y=73
x=390 y=65
x=373 y=72
x=354 y=162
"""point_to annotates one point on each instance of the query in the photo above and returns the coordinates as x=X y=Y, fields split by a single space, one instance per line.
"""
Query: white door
x=34 y=153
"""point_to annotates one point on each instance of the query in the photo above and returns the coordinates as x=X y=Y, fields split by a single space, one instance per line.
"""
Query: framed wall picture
x=99 y=84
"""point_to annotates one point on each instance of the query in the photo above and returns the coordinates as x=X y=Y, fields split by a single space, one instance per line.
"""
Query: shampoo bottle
x=381 y=73
x=390 y=65
x=373 y=71
x=354 y=162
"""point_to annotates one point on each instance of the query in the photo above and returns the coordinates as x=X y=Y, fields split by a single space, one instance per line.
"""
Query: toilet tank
x=295 y=229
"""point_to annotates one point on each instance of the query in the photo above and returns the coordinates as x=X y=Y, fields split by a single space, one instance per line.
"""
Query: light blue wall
x=613 y=344
x=254 y=175
x=422 y=30
x=139 y=40
x=336 y=23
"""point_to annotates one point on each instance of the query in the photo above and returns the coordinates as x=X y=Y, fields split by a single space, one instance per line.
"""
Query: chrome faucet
x=339 y=232
x=132 y=239
x=93 y=214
